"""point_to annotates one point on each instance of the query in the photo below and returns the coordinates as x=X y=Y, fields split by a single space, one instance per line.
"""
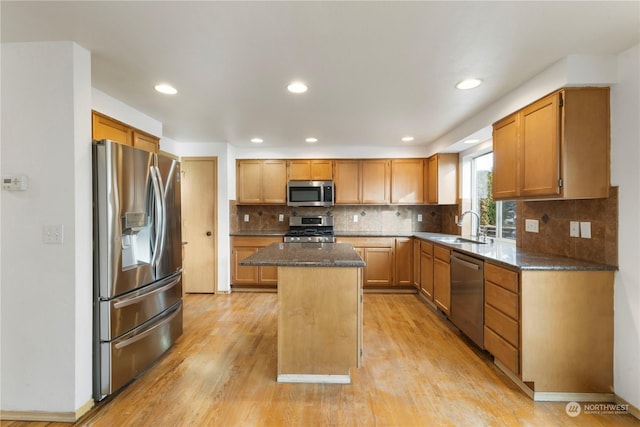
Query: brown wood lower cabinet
x=551 y=329
x=241 y=248
x=379 y=255
x=426 y=269
x=442 y=278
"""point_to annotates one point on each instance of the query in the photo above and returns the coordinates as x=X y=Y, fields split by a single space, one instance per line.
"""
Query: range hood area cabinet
x=310 y=170
x=555 y=148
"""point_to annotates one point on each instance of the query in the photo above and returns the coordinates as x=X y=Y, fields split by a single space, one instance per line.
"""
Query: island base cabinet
x=319 y=323
x=567 y=332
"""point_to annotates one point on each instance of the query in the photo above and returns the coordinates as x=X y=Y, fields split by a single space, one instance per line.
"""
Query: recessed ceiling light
x=469 y=84
x=297 y=87
x=471 y=141
x=257 y=140
x=166 y=89
x=311 y=140
x=407 y=139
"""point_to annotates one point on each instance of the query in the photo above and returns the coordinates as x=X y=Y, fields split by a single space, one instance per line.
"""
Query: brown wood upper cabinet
x=314 y=170
x=104 y=127
x=557 y=147
x=362 y=181
x=407 y=181
x=441 y=179
x=261 y=181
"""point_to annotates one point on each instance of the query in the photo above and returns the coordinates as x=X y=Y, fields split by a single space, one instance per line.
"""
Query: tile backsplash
x=371 y=218
x=554 y=218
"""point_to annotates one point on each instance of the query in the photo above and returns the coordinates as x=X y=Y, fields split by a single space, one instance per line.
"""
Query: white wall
x=118 y=110
x=46 y=290
x=625 y=158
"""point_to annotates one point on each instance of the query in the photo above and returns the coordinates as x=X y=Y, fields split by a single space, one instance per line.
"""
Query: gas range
x=310 y=229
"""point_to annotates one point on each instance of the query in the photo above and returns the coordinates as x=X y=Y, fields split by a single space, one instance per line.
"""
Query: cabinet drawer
x=502 y=324
x=442 y=253
x=502 y=277
x=502 y=350
x=426 y=247
x=502 y=299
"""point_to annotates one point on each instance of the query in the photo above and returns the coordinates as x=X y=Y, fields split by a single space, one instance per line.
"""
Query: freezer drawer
x=122 y=314
x=125 y=358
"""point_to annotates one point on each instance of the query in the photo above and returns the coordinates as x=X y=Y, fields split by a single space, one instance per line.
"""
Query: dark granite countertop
x=511 y=256
x=506 y=254
x=266 y=233
x=306 y=255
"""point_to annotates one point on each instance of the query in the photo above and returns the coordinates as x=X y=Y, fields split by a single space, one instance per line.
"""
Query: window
x=497 y=219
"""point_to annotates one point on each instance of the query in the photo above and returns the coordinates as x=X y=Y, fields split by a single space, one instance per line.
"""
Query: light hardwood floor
x=417 y=371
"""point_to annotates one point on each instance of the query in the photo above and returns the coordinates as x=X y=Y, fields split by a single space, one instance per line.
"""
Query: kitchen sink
x=457 y=240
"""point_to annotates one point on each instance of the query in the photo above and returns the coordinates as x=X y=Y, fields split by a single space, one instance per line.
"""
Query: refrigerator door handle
x=163 y=205
x=158 y=207
x=149 y=331
x=129 y=301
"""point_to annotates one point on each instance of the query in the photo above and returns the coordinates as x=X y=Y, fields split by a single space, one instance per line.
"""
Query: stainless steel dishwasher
x=467 y=296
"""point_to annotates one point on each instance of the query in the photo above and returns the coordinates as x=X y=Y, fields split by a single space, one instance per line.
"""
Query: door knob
x=208 y=233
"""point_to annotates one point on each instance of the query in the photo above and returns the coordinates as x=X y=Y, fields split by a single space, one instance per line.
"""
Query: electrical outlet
x=419 y=217
x=574 y=229
x=246 y=217
x=355 y=218
x=585 y=230
x=281 y=217
x=53 y=234
x=531 y=225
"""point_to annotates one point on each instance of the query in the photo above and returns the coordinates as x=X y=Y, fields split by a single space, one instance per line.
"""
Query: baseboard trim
x=552 y=396
x=633 y=410
x=57 y=417
x=316 y=379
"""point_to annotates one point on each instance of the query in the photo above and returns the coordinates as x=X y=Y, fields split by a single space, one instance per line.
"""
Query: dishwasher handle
x=465 y=263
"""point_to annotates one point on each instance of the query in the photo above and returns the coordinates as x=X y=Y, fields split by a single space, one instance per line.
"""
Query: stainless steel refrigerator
x=137 y=262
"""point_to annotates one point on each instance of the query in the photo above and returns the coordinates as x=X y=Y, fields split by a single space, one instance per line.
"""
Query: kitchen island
x=319 y=309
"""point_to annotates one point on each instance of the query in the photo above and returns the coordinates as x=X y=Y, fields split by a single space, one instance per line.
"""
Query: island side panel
x=319 y=320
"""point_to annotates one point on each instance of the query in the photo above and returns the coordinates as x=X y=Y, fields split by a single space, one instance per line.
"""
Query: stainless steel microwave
x=310 y=193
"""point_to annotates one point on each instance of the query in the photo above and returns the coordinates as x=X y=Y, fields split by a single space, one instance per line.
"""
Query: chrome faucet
x=459 y=223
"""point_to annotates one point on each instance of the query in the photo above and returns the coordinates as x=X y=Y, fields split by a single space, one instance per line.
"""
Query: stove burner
x=300 y=230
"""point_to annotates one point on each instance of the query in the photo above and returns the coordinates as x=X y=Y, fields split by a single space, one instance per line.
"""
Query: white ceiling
x=376 y=71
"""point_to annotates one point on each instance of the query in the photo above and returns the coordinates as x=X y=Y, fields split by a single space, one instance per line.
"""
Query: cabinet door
x=376 y=181
x=299 y=170
x=243 y=274
x=321 y=170
x=432 y=180
x=426 y=274
x=505 y=158
x=407 y=181
x=442 y=285
x=347 y=182
x=268 y=275
x=379 y=269
x=404 y=248
x=540 y=167
x=249 y=181
x=416 y=263
x=145 y=142
x=107 y=128
x=442 y=179
x=274 y=182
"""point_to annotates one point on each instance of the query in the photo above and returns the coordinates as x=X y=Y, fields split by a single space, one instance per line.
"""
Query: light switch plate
x=281 y=217
x=355 y=218
x=246 y=217
x=574 y=229
x=419 y=217
x=585 y=230
x=531 y=225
